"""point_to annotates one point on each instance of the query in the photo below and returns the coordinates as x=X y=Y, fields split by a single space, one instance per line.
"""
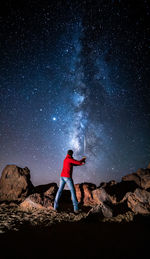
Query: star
x=76 y=79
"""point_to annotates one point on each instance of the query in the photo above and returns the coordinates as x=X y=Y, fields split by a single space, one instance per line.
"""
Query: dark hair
x=70 y=152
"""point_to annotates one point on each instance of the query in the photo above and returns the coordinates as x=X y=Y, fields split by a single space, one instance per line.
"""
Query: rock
x=100 y=196
x=100 y=211
x=15 y=184
x=42 y=198
x=102 y=184
x=47 y=193
x=78 y=192
x=141 y=178
x=139 y=201
x=117 y=191
x=84 y=193
x=126 y=217
x=49 y=189
x=120 y=208
x=28 y=204
x=106 y=210
x=110 y=183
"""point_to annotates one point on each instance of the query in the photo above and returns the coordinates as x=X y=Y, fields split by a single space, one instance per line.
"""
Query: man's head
x=70 y=152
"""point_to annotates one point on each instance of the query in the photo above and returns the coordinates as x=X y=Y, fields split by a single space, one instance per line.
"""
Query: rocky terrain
x=26 y=209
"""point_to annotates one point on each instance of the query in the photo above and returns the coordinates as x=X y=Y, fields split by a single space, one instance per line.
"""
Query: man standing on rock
x=66 y=178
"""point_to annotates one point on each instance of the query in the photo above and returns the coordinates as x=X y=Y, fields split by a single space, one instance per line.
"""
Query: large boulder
x=100 y=196
x=141 y=178
x=84 y=193
x=42 y=198
x=139 y=201
x=15 y=184
x=117 y=191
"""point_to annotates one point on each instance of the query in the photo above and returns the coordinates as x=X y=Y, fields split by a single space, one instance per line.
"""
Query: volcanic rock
x=110 y=183
x=141 y=178
x=84 y=193
x=108 y=200
x=117 y=191
x=42 y=198
x=100 y=211
x=100 y=196
x=139 y=201
x=126 y=217
x=28 y=204
x=15 y=184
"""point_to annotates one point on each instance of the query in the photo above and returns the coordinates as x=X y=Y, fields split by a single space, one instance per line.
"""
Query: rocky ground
x=12 y=218
x=46 y=234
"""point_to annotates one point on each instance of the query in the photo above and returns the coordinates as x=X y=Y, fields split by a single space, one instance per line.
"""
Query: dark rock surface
x=43 y=197
x=99 y=212
x=13 y=217
x=100 y=196
x=141 y=178
x=139 y=201
x=84 y=193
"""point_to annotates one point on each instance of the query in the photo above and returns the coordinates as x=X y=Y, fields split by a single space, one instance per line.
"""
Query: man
x=66 y=177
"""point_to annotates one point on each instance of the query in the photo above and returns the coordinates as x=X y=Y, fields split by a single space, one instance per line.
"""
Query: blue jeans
x=69 y=182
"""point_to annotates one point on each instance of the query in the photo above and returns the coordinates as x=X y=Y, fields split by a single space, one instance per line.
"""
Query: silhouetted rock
x=42 y=198
x=118 y=190
x=84 y=193
x=15 y=184
x=141 y=178
x=139 y=201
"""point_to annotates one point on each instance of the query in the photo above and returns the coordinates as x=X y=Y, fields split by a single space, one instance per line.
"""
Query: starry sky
x=75 y=75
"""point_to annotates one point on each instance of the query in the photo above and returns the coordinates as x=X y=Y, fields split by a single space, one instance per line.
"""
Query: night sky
x=75 y=75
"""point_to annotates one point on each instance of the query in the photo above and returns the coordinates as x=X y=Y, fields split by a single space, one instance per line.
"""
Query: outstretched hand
x=83 y=158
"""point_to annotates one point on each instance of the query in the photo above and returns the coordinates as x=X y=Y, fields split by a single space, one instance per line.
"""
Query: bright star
x=54 y=118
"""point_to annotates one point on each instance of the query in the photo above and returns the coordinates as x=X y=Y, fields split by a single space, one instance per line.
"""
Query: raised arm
x=76 y=162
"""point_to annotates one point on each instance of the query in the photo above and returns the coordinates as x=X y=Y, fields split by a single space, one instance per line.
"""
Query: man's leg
x=59 y=192
x=73 y=193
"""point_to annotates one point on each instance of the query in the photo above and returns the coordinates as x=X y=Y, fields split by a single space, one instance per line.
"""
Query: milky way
x=74 y=75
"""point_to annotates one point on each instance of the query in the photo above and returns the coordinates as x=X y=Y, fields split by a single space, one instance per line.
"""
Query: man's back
x=68 y=166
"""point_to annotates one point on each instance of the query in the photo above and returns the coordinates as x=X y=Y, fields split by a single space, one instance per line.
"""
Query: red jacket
x=68 y=164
